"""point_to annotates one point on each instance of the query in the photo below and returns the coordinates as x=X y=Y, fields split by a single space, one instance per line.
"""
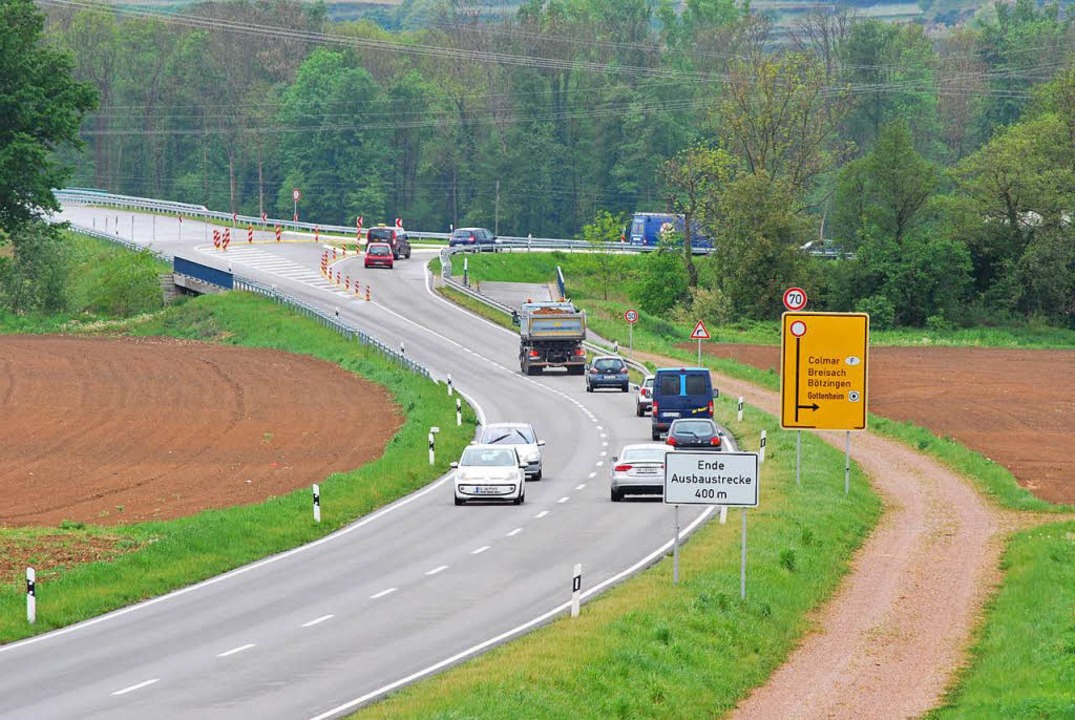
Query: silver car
x=523 y=437
x=638 y=470
x=644 y=398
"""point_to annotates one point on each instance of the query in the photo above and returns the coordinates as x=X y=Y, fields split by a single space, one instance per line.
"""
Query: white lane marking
x=604 y=435
x=436 y=570
x=515 y=631
x=600 y=463
x=593 y=474
x=604 y=452
x=564 y=499
x=321 y=619
x=604 y=444
x=480 y=550
x=600 y=428
x=514 y=532
x=542 y=514
x=139 y=686
x=381 y=594
x=233 y=651
x=580 y=486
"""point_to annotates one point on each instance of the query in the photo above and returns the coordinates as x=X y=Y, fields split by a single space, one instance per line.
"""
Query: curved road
x=402 y=593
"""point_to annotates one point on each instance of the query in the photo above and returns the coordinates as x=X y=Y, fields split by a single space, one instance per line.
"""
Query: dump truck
x=551 y=335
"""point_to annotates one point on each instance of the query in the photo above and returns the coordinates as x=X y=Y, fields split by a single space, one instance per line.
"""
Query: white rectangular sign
x=711 y=478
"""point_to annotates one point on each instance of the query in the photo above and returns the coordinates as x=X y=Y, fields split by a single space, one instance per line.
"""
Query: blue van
x=646 y=229
x=680 y=393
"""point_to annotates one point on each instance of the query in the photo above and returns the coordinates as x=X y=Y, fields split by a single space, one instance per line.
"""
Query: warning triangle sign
x=700 y=333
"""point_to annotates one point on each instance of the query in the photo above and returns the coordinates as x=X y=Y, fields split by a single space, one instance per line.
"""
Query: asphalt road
x=404 y=592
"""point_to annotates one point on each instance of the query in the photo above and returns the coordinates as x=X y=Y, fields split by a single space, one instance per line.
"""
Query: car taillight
x=470 y=239
x=533 y=353
x=645 y=392
x=623 y=468
x=710 y=408
x=715 y=442
x=580 y=351
x=670 y=441
x=654 y=406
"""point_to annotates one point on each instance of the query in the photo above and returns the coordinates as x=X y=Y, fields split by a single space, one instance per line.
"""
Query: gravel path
x=888 y=644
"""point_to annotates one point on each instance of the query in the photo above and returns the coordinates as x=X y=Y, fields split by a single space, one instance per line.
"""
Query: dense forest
x=943 y=164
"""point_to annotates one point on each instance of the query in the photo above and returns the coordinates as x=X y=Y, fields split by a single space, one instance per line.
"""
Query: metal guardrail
x=249 y=285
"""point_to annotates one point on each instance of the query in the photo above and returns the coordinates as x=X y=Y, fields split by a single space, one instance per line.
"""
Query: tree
x=882 y=195
x=41 y=109
x=606 y=228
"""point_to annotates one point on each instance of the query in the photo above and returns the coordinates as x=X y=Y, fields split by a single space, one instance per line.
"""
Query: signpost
x=631 y=316
x=295 y=195
x=729 y=479
x=700 y=333
x=823 y=376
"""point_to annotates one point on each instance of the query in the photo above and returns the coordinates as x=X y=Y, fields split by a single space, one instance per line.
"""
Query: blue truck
x=646 y=229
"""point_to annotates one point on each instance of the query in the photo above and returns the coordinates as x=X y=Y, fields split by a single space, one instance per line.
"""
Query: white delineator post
x=31 y=596
x=740 y=412
x=576 y=590
x=317 y=503
x=458 y=412
x=761 y=450
x=431 y=449
x=451 y=390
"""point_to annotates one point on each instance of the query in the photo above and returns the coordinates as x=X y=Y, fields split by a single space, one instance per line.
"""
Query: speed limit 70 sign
x=794 y=299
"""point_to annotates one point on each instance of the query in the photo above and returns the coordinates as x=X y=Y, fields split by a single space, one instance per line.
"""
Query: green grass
x=648 y=649
x=180 y=552
x=1023 y=664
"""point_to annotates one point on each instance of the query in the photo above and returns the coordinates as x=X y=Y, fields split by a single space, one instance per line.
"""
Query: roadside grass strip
x=649 y=649
x=164 y=556
x=1023 y=661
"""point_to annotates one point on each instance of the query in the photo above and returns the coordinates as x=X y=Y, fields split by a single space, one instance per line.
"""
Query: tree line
x=937 y=162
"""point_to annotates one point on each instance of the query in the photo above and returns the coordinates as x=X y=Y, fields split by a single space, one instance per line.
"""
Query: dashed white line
x=580 y=486
x=139 y=686
x=604 y=452
x=381 y=594
x=321 y=619
x=604 y=435
x=542 y=514
x=239 y=649
x=604 y=444
x=593 y=474
x=600 y=428
x=514 y=532
x=436 y=570
x=564 y=499
x=600 y=463
x=480 y=550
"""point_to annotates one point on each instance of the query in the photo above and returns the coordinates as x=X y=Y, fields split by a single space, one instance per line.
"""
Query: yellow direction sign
x=823 y=379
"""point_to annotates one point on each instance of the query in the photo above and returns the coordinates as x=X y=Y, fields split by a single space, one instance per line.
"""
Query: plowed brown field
x=1016 y=407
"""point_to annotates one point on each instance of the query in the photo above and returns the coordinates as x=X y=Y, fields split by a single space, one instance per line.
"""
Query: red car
x=379 y=255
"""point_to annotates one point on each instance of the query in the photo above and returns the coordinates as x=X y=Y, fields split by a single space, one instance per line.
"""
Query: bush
x=128 y=285
x=881 y=311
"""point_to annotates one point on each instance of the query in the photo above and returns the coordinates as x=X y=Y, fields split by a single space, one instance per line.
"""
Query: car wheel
x=616 y=495
x=626 y=387
x=655 y=434
x=459 y=500
x=519 y=500
x=639 y=412
x=538 y=475
x=589 y=387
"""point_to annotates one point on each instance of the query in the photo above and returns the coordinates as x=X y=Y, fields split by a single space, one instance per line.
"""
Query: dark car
x=607 y=371
x=473 y=238
x=396 y=237
x=680 y=393
x=694 y=434
x=379 y=254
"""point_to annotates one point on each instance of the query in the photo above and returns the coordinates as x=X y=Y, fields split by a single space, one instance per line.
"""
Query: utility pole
x=496 y=212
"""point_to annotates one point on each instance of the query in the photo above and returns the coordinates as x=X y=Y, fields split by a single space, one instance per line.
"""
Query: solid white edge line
x=518 y=629
x=436 y=570
x=377 y=596
x=132 y=688
x=233 y=651
x=316 y=621
x=480 y=550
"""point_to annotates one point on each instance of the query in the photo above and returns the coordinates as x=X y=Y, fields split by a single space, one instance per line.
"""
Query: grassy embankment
x=156 y=557
x=1023 y=660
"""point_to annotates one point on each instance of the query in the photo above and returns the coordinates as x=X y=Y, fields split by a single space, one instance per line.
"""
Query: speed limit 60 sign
x=794 y=299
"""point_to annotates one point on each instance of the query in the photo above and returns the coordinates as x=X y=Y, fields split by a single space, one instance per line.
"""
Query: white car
x=490 y=472
x=523 y=437
x=637 y=470
x=644 y=399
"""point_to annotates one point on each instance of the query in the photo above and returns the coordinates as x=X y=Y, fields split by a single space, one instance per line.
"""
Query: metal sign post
x=700 y=333
x=675 y=551
x=631 y=316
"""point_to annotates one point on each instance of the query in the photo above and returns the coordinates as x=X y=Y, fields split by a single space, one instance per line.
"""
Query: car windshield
x=380 y=250
x=487 y=457
x=643 y=454
x=698 y=427
x=508 y=436
x=608 y=364
x=462 y=234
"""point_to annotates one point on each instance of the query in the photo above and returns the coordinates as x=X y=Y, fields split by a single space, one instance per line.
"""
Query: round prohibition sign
x=798 y=328
x=295 y=194
x=794 y=299
x=630 y=316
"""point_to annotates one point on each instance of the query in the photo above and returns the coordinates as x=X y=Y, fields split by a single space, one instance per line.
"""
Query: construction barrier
x=250 y=234
x=367 y=293
x=347 y=284
x=216 y=238
x=277 y=233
